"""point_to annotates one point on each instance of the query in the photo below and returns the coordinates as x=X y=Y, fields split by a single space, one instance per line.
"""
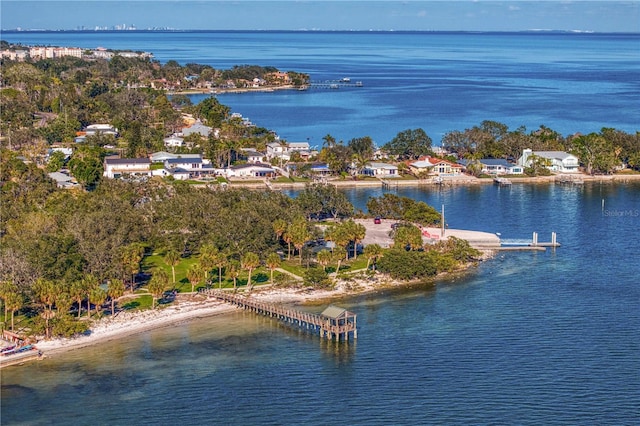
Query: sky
x=364 y=15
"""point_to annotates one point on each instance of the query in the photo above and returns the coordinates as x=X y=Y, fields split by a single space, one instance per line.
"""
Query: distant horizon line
x=175 y=30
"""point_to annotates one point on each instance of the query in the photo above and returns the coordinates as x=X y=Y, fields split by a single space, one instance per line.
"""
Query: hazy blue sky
x=479 y=15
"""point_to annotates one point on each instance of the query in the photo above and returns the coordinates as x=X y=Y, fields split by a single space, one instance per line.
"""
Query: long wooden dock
x=333 y=322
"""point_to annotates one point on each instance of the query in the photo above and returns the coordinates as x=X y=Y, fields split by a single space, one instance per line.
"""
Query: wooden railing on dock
x=340 y=327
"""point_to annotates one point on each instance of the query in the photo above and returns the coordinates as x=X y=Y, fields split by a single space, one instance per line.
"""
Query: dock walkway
x=333 y=322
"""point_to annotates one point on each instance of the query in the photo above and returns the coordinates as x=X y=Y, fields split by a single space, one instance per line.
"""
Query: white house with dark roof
x=251 y=155
x=380 y=170
x=557 y=161
x=257 y=170
x=196 y=167
x=173 y=141
x=496 y=166
x=115 y=168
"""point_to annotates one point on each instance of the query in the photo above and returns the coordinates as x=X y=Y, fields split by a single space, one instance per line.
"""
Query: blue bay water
x=526 y=338
x=435 y=81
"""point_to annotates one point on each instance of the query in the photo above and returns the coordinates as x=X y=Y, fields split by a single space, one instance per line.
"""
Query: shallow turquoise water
x=526 y=338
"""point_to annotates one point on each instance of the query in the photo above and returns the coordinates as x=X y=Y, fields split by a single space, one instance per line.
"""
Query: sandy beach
x=185 y=308
x=188 y=307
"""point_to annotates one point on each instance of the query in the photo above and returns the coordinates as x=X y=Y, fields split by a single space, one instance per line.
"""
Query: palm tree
x=286 y=236
x=13 y=302
x=45 y=292
x=220 y=261
x=339 y=254
x=193 y=275
x=89 y=282
x=234 y=272
x=157 y=284
x=299 y=235
x=373 y=252
x=7 y=288
x=63 y=302
x=97 y=297
x=114 y=291
x=132 y=255
x=208 y=253
x=340 y=236
x=77 y=292
x=279 y=227
x=273 y=261
x=329 y=141
x=356 y=233
x=172 y=258
x=249 y=261
x=324 y=258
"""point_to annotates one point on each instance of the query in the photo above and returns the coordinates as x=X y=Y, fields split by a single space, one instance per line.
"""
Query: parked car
x=377 y=220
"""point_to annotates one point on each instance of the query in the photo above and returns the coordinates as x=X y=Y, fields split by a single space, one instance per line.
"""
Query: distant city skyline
x=358 y=15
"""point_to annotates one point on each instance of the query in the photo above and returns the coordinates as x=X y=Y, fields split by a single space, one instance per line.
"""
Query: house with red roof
x=435 y=166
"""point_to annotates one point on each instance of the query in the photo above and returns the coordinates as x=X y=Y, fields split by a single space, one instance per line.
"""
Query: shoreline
x=195 y=306
x=218 y=91
x=453 y=181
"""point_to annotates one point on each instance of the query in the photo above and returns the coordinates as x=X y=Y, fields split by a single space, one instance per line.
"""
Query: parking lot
x=379 y=234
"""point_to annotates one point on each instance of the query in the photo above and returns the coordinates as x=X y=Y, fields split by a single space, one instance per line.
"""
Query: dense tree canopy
x=391 y=206
x=409 y=144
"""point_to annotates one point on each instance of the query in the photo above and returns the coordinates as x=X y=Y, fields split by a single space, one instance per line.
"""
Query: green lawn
x=259 y=276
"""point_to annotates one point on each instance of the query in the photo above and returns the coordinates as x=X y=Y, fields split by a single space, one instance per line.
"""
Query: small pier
x=388 y=185
x=569 y=180
x=333 y=322
x=502 y=181
x=533 y=245
x=554 y=241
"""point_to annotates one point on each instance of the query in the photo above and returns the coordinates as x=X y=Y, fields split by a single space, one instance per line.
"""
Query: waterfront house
x=257 y=170
x=495 y=166
x=382 y=170
x=195 y=167
x=556 y=161
x=162 y=156
x=436 y=166
x=176 y=173
x=320 y=169
x=115 y=168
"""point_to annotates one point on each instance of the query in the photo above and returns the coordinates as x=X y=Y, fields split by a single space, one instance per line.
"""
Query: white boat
x=346 y=79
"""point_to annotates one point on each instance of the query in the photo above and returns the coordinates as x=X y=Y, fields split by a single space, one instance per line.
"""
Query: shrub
x=407 y=265
x=317 y=278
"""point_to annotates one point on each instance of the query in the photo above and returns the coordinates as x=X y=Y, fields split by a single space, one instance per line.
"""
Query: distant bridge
x=333 y=84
